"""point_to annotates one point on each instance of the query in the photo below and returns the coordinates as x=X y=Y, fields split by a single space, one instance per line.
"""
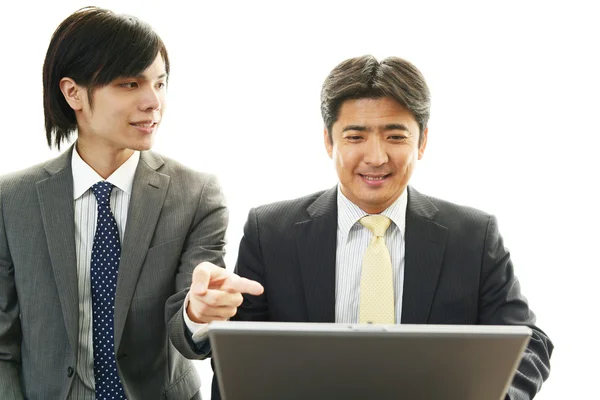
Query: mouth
x=147 y=126
x=375 y=177
x=374 y=180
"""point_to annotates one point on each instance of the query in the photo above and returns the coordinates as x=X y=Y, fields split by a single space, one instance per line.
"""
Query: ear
x=328 y=143
x=74 y=94
x=423 y=143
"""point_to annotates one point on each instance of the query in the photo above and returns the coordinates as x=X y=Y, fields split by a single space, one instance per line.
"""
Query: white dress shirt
x=352 y=241
x=86 y=208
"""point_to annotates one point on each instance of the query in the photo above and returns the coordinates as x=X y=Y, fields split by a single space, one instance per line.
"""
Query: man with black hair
x=100 y=246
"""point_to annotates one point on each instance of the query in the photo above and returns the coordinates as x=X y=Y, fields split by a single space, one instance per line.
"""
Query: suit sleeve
x=501 y=303
x=10 y=325
x=205 y=242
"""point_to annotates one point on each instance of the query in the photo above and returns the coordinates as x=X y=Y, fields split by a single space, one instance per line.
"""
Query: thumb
x=203 y=274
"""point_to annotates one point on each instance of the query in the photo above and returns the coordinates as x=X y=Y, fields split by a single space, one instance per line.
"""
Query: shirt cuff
x=198 y=331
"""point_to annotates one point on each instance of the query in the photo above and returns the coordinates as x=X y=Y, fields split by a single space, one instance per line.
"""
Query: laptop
x=283 y=360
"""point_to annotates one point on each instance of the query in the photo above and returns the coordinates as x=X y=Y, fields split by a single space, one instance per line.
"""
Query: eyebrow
x=143 y=76
x=360 y=128
x=396 y=127
x=388 y=127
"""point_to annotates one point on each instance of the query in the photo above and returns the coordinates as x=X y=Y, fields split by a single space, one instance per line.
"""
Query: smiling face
x=375 y=149
x=124 y=115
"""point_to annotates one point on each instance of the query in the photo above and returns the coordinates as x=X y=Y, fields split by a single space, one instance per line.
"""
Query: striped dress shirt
x=352 y=242
x=85 y=227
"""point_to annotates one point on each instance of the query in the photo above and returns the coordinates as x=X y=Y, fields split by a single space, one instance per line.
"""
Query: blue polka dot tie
x=106 y=254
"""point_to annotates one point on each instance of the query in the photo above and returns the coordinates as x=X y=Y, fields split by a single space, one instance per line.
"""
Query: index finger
x=235 y=283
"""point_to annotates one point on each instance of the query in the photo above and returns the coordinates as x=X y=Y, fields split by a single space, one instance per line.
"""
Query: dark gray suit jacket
x=176 y=219
x=457 y=271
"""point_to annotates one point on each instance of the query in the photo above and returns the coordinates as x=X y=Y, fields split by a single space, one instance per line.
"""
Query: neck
x=103 y=161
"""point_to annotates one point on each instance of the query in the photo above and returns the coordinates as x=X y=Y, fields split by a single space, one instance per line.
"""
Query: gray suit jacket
x=456 y=271
x=177 y=218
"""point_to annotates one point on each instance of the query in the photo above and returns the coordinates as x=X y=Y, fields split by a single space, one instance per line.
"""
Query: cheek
x=407 y=163
x=118 y=117
x=112 y=123
x=348 y=160
x=406 y=158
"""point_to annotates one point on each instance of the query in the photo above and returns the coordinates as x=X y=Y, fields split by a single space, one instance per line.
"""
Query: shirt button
x=70 y=372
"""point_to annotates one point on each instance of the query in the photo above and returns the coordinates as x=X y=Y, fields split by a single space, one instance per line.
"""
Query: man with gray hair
x=373 y=249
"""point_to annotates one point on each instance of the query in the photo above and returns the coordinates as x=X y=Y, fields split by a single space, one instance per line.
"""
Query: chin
x=145 y=145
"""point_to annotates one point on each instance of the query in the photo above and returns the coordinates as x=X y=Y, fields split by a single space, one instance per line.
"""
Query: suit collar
x=425 y=246
x=60 y=163
x=324 y=205
x=148 y=195
x=420 y=205
x=152 y=160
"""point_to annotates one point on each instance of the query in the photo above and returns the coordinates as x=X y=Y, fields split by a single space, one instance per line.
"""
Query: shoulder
x=187 y=187
x=449 y=209
x=276 y=220
x=281 y=215
x=293 y=207
x=173 y=168
x=23 y=179
x=447 y=213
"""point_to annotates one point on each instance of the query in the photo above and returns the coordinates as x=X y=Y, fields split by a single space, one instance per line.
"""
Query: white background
x=513 y=130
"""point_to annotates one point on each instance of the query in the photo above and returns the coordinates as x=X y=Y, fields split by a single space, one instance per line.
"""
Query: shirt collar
x=84 y=176
x=349 y=213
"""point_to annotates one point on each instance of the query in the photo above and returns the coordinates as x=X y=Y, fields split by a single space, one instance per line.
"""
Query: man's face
x=126 y=113
x=375 y=149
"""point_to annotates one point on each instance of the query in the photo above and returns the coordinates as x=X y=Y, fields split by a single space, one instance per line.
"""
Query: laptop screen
x=271 y=360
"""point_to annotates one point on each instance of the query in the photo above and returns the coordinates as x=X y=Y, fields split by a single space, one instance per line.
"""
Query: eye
x=129 y=85
x=161 y=85
x=397 y=138
x=353 y=138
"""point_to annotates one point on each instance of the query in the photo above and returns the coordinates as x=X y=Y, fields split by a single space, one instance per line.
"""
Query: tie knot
x=102 y=191
x=377 y=224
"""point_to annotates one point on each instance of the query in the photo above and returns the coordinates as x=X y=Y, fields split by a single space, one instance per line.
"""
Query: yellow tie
x=376 y=282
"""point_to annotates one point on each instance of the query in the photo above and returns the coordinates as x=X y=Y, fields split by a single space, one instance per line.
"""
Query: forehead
x=370 y=110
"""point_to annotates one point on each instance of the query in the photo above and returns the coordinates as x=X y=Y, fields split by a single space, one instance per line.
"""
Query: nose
x=375 y=152
x=151 y=99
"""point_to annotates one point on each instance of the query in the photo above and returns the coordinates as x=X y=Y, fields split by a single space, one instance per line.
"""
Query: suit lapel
x=147 y=198
x=425 y=245
x=55 y=195
x=316 y=248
